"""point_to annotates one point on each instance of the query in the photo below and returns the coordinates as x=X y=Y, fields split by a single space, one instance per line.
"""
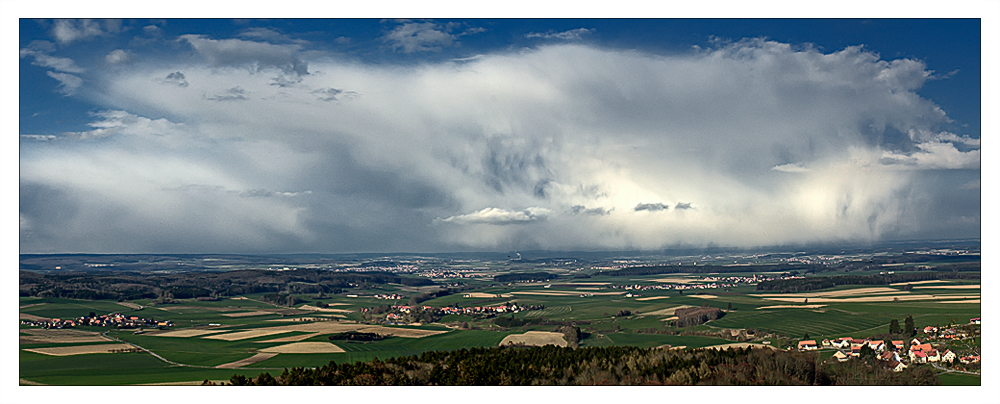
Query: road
x=105 y=335
x=938 y=367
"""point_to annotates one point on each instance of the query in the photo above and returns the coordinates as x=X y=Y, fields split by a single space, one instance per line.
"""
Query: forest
x=119 y=285
x=615 y=365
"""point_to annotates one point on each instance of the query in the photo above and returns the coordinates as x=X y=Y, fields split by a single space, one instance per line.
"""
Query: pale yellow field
x=251 y=360
x=798 y=306
x=314 y=308
x=836 y=293
x=705 y=296
x=677 y=280
x=304 y=347
x=32 y=317
x=60 y=336
x=190 y=332
x=566 y=293
x=665 y=312
x=324 y=327
x=79 y=349
x=132 y=306
x=487 y=295
x=949 y=287
x=248 y=314
x=915 y=283
x=869 y=299
x=536 y=338
x=653 y=298
x=294 y=338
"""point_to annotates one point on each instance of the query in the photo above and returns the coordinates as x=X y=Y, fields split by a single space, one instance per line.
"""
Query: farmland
x=219 y=336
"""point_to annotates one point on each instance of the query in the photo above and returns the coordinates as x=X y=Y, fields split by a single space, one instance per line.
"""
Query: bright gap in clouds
x=250 y=146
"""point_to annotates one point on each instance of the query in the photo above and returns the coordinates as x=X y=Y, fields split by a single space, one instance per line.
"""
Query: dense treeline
x=615 y=365
x=823 y=282
x=700 y=269
x=692 y=316
x=525 y=277
x=119 y=285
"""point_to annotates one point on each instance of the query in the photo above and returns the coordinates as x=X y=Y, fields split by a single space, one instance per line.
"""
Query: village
x=117 y=320
x=902 y=353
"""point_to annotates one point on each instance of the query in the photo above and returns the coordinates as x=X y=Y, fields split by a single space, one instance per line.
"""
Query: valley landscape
x=138 y=319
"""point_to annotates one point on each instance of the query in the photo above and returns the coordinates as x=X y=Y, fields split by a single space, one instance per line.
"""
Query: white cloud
x=571 y=35
x=68 y=83
x=790 y=168
x=499 y=216
x=118 y=56
x=419 y=36
x=557 y=129
x=934 y=155
x=45 y=60
x=257 y=55
x=68 y=31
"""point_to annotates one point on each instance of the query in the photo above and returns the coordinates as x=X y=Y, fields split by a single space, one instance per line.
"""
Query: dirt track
x=248 y=361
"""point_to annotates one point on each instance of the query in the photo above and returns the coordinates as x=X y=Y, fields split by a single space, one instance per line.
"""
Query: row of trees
x=616 y=365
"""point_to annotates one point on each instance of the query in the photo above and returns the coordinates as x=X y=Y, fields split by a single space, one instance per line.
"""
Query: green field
x=596 y=316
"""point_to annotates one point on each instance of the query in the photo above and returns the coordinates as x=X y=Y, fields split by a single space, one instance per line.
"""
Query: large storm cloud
x=749 y=143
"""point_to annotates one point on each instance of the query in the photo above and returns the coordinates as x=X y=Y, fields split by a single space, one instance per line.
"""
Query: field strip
x=59 y=336
x=30 y=305
x=303 y=348
x=132 y=306
x=248 y=361
x=79 y=349
x=800 y=306
x=32 y=317
x=294 y=338
x=486 y=295
x=248 y=314
x=705 y=296
x=26 y=382
x=653 y=298
x=587 y=283
x=665 y=312
x=915 y=283
x=949 y=287
x=536 y=338
x=673 y=280
x=324 y=327
x=184 y=333
x=588 y=288
x=314 y=308
x=835 y=293
x=565 y=293
x=869 y=299
x=188 y=383
x=976 y=301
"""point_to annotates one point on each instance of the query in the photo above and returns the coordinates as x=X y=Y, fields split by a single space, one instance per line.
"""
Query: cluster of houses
x=672 y=286
x=391 y=296
x=398 y=311
x=919 y=351
x=442 y=274
x=746 y=279
x=118 y=320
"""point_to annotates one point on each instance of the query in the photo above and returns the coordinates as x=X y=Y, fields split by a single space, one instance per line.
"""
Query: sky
x=439 y=135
